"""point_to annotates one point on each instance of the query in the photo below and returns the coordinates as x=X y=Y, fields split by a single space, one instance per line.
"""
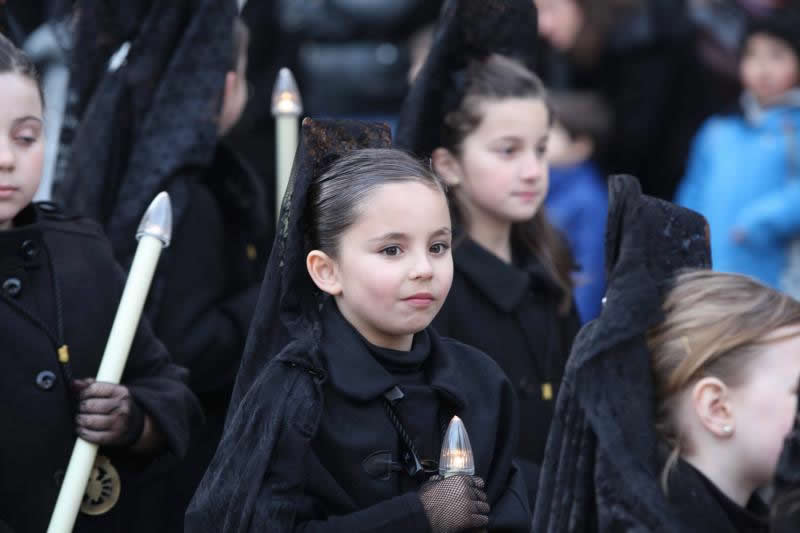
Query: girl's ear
x=711 y=404
x=446 y=165
x=324 y=272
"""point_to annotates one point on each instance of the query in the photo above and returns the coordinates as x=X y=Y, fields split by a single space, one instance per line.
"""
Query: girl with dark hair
x=60 y=290
x=512 y=293
x=345 y=391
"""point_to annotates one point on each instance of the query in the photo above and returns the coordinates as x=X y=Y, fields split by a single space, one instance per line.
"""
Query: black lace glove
x=455 y=504
x=107 y=413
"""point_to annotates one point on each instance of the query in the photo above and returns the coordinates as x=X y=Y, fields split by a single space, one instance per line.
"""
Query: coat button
x=30 y=250
x=45 y=380
x=12 y=286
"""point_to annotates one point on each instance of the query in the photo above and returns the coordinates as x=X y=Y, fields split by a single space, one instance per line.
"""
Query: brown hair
x=582 y=114
x=334 y=197
x=715 y=325
x=12 y=59
x=499 y=77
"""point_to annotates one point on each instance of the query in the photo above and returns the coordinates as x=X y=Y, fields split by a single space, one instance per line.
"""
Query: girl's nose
x=533 y=166
x=422 y=269
x=7 y=159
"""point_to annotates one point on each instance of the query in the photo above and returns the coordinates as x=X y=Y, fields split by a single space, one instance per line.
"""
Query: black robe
x=50 y=261
x=318 y=428
x=511 y=313
x=212 y=275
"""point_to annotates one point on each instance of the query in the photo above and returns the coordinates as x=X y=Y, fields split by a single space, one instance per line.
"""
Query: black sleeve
x=399 y=514
x=159 y=386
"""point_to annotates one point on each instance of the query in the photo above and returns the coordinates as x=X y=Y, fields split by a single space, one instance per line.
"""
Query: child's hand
x=107 y=413
x=454 y=504
x=739 y=235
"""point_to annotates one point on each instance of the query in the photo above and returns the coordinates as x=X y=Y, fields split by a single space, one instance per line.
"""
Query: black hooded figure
x=603 y=458
x=516 y=312
x=323 y=433
x=150 y=121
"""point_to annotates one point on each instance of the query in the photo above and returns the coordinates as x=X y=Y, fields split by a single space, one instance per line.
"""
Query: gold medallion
x=102 y=491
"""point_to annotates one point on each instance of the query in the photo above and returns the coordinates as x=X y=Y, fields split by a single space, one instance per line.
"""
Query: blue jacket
x=577 y=204
x=744 y=176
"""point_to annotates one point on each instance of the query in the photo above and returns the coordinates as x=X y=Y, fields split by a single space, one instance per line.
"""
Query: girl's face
x=394 y=267
x=235 y=95
x=502 y=170
x=769 y=68
x=21 y=144
x=560 y=22
x=764 y=407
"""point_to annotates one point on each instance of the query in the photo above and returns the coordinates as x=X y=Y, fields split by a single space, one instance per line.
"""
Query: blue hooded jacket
x=744 y=177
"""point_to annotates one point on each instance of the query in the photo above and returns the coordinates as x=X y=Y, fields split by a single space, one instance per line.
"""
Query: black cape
x=602 y=465
x=268 y=473
x=148 y=125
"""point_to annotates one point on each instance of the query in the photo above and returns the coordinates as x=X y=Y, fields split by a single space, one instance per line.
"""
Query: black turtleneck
x=704 y=506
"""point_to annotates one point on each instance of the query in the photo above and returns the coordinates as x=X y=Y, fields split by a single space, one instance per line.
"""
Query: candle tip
x=285 y=95
x=157 y=220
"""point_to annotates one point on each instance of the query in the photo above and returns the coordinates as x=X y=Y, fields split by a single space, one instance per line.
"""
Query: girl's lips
x=5 y=192
x=526 y=195
x=423 y=299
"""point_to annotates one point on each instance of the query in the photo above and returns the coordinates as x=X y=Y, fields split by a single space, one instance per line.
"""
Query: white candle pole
x=286 y=108
x=154 y=234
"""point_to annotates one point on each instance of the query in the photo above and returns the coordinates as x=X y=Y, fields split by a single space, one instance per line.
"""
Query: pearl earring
x=727 y=430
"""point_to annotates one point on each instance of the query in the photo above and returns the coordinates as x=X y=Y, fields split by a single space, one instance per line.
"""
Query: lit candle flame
x=456 y=456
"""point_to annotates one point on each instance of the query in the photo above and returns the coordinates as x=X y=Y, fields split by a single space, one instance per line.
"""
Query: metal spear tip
x=456 y=456
x=285 y=95
x=157 y=220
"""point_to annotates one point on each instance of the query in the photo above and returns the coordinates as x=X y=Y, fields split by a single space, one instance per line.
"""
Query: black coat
x=212 y=271
x=314 y=429
x=511 y=314
x=211 y=276
x=38 y=412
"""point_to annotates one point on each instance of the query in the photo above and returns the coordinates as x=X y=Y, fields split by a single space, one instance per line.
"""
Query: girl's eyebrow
x=391 y=236
x=398 y=236
x=26 y=118
x=441 y=232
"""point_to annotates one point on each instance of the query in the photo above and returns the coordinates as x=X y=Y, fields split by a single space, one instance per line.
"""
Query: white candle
x=286 y=108
x=154 y=234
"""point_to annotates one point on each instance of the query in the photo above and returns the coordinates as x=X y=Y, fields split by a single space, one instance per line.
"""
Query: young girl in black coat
x=512 y=289
x=345 y=391
x=60 y=290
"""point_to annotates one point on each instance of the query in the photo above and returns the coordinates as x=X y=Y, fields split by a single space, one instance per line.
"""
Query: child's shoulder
x=473 y=363
x=54 y=218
